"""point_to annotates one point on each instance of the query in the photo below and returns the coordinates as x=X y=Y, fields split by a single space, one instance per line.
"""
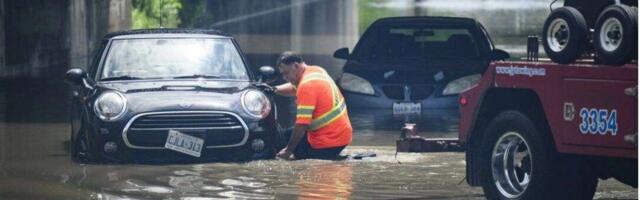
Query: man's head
x=291 y=66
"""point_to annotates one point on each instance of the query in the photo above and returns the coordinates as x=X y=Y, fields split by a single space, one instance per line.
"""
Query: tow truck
x=550 y=129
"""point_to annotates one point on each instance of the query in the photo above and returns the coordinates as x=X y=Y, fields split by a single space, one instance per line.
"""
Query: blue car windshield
x=418 y=42
x=173 y=57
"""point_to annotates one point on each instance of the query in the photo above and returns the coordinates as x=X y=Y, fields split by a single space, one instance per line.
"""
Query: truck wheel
x=615 y=35
x=574 y=178
x=515 y=161
x=564 y=35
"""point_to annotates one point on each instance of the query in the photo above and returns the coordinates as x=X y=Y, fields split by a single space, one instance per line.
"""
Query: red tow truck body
x=567 y=95
x=582 y=110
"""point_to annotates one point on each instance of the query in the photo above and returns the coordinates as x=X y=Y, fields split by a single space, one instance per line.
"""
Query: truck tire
x=564 y=35
x=518 y=162
x=515 y=163
x=615 y=35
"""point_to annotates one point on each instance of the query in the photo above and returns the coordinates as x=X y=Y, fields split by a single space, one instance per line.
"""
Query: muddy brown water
x=34 y=164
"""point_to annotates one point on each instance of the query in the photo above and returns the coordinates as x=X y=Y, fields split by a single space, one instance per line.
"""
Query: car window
x=174 y=57
x=431 y=43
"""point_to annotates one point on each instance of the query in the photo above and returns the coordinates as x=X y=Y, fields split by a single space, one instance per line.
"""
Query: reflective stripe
x=323 y=77
x=328 y=117
x=306 y=107
x=303 y=116
x=312 y=76
x=305 y=111
x=338 y=109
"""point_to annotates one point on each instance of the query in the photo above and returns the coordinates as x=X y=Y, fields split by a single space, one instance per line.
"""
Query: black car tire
x=614 y=46
x=564 y=35
x=83 y=150
x=513 y=125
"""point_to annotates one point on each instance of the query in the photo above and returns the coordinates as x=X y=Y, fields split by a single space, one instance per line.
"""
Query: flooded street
x=34 y=164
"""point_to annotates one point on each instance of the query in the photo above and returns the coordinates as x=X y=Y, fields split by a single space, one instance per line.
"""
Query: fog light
x=257 y=145
x=110 y=147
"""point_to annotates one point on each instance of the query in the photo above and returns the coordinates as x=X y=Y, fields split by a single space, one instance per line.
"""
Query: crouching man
x=322 y=128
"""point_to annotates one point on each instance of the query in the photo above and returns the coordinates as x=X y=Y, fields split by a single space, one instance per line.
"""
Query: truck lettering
x=513 y=70
x=598 y=121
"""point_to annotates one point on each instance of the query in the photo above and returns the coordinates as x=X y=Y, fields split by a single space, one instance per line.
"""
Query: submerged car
x=170 y=95
x=411 y=69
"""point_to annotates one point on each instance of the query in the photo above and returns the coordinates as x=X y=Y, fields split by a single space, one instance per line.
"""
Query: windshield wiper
x=197 y=76
x=126 y=77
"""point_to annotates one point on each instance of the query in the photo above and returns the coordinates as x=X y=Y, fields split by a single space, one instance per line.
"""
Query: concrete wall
x=45 y=39
x=3 y=92
x=264 y=29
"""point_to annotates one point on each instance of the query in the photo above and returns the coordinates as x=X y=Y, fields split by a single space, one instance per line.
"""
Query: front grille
x=393 y=91
x=416 y=92
x=420 y=92
x=216 y=129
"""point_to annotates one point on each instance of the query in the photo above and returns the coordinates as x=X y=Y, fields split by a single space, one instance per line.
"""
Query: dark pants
x=305 y=151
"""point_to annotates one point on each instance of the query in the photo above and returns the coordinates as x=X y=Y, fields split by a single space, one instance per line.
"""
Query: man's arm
x=285 y=89
x=298 y=133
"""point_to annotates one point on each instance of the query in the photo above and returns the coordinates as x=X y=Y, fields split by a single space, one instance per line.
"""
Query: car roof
x=166 y=32
x=424 y=20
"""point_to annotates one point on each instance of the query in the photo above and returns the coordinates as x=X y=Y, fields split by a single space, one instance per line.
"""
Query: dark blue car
x=411 y=69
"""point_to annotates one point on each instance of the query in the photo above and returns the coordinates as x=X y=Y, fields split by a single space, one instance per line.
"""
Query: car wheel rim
x=611 y=34
x=558 y=35
x=511 y=164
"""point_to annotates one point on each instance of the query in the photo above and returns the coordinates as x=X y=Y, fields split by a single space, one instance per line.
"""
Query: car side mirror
x=342 y=53
x=79 y=77
x=499 y=54
x=76 y=76
x=267 y=73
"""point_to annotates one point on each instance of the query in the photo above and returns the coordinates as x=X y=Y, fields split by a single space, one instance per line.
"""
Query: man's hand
x=284 y=154
x=266 y=88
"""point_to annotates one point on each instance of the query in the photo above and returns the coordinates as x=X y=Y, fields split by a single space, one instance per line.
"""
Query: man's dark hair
x=289 y=57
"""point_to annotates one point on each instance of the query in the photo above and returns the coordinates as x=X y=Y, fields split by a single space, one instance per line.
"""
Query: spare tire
x=564 y=35
x=615 y=35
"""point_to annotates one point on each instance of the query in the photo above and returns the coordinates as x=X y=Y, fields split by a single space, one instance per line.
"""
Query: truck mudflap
x=409 y=141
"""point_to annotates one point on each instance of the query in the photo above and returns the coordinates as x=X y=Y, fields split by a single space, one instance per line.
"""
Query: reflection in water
x=328 y=181
x=36 y=165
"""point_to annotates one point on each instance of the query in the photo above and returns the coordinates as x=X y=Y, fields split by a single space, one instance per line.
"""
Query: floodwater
x=34 y=164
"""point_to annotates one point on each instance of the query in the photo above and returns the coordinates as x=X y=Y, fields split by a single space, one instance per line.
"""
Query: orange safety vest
x=322 y=107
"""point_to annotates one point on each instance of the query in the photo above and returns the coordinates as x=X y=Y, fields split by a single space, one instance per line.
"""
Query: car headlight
x=356 y=84
x=256 y=104
x=461 y=84
x=110 y=106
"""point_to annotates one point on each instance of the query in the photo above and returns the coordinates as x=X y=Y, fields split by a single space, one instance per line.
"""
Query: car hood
x=160 y=96
x=412 y=73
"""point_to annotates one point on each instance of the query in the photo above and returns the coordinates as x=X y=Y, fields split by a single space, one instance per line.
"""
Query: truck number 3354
x=598 y=121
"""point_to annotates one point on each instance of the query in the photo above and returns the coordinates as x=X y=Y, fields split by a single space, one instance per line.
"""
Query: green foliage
x=156 y=13
x=192 y=11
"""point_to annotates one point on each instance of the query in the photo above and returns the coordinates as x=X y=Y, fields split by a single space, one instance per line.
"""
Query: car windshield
x=130 y=59
x=416 y=42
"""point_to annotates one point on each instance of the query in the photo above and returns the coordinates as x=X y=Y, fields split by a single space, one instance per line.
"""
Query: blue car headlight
x=461 y=84
x=353 y=83
x=110 y=106
x=256 y=104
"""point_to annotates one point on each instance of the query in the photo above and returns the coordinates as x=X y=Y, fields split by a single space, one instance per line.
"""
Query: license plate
x=184 y=143
x=406 y=108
